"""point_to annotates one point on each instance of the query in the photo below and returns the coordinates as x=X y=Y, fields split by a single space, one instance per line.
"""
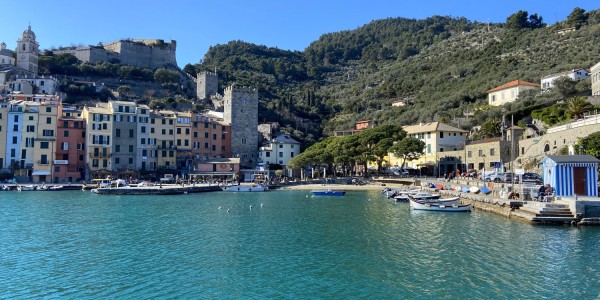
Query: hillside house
x=509 y=92
x=575 y=74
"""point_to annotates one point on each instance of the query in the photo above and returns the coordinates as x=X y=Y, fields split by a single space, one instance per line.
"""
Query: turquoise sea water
x=75 y=245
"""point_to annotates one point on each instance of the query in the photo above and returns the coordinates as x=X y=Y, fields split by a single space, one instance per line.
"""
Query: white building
x=279 y=150
x=547 y=82
x=6 y=56
x=509 y=92
x=595 y=74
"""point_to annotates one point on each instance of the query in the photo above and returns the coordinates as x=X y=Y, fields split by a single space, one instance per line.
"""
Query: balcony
x=43 y=162
x=99 y=155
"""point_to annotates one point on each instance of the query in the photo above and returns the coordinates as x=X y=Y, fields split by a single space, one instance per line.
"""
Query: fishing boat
x=245 y=188
x=328 y=193
x=425 y=196
x=419 y=205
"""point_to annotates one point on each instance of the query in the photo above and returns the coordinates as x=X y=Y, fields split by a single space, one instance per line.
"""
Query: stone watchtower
x=207 y=85
x=241 y=111
x=28 y=52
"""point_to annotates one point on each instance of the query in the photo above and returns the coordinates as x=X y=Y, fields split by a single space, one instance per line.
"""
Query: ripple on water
x=78 y=245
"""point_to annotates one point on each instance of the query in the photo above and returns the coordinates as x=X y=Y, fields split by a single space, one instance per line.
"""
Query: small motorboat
x=22 y=188
x=245 y=188
x=418 y=205
x=328 y=193
x=425 y=196
x=56 y=188
x=465 y=189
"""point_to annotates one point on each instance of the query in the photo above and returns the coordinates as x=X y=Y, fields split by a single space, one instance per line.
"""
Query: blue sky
x=196 y=25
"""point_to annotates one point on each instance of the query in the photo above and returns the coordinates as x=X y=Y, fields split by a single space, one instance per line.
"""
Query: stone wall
x=531 y=151
x=151 y=54
x=241 y=111
x=207 y=84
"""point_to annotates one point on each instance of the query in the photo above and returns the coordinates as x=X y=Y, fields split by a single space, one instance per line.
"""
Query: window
x=117 y=148
x=65 y=157
x=48 y=109
x=469 y=153
x=30 y=128
x=205 y=145
x=480 y=153
x=66 y=133
x=280 y=154
x=118 y=132
x=64 y=146
x=492 y=152
x=49 y=120
x=57 y=169
x=187 y=131
x=143 y=141
x=178 y=142
x=214 y=136
x=179 y=130
x=280 y=146
x=151 y=129
x=44 y=159
x=14 y=139
x=171 y=154
x=428 y=148
x=130 y=133
x=441 y=135
x=94 y=163
x=186 y=143
x=131 y=160
x=170 y=131
x=291 y=154
x=105 y=163
x=214 y=148
x=268 y=154
x=130 y=148
x=117 y=160
x=206 y=135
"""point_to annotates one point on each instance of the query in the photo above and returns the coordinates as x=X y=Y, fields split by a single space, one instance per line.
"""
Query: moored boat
x=419 y=205
x=328 y=193
x=245 y=188
x=474 y=189
x=22 y=188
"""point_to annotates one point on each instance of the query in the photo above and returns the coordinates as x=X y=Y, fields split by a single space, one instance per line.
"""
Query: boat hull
x=416 y=205
x=328 y=193
x=241 y=188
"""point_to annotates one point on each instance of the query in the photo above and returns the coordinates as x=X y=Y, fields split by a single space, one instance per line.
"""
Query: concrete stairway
x=541 y=212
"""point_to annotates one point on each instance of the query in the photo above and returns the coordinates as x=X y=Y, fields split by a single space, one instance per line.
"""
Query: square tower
x=241 y=111
x=28 y=52
x=207 y=85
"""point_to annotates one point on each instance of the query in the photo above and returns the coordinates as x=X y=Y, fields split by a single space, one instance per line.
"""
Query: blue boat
x=484 y=190
x=465 y=189
x=328 y=193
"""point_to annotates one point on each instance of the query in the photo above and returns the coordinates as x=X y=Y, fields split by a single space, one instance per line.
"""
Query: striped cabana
x=571 y=175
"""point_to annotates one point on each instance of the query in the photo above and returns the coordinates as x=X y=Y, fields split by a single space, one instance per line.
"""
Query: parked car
x=532 y=177
x=506 y=177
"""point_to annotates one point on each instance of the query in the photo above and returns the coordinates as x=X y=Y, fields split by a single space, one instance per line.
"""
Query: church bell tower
x=28 y=52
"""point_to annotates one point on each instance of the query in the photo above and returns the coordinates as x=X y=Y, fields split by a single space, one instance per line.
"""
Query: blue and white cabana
x=571 y=175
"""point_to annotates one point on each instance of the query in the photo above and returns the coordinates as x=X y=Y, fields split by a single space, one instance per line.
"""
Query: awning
x=425 y=164
x=38 y=173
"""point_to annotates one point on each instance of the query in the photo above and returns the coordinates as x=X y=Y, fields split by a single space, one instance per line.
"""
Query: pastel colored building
x=146 y=144
x=509 y=92
x=29 y=143
x=3 y=129
x=46 y=142
x=14 y=126
x=438 y=137
x=69 y=159
x=163 y=128
x=183 y=141
x=225 y=168
x=211 y=138
x=280 y=150
x=124 y=143
x=98 y=141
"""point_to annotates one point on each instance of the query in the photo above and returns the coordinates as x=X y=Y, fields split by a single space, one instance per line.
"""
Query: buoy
x=261 y=205
x=220 y=207
x=228 y=210
x=250 y=207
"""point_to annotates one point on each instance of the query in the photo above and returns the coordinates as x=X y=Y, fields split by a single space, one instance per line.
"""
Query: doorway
x=579 y=181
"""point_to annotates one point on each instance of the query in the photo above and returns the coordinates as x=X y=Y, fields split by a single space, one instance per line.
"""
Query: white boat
x=22 y=188
x=418 y=205
x=245 y=188
x=56 y=188
x=425 y=196
x=474 y=189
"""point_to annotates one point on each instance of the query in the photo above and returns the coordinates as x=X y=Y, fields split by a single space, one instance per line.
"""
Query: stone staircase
x=540 y=212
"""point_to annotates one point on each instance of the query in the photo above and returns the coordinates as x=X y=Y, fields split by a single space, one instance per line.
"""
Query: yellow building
x=29 y=134
x=162 y=129
x=438 y=137
x=98 y=140
x=46 y=142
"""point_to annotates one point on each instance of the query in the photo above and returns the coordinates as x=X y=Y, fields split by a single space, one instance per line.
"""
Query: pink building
x=69 y=162
x=221 y=168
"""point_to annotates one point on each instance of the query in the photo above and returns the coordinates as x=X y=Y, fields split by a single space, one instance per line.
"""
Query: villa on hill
x=509 y=92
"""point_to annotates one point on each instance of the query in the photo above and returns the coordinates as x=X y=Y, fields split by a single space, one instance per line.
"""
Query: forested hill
x=441 y=67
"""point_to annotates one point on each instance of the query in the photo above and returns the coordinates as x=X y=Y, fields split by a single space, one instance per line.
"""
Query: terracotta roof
x=513 y=84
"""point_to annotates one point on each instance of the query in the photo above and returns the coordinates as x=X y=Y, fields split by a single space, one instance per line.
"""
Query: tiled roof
x=513 y=84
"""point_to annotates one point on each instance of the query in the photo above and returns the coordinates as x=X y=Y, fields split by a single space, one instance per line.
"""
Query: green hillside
x=441 y=66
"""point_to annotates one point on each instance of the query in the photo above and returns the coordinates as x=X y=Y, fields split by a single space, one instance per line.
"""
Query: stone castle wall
x=241 y=111
x=151 y=54
x=207 y=84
